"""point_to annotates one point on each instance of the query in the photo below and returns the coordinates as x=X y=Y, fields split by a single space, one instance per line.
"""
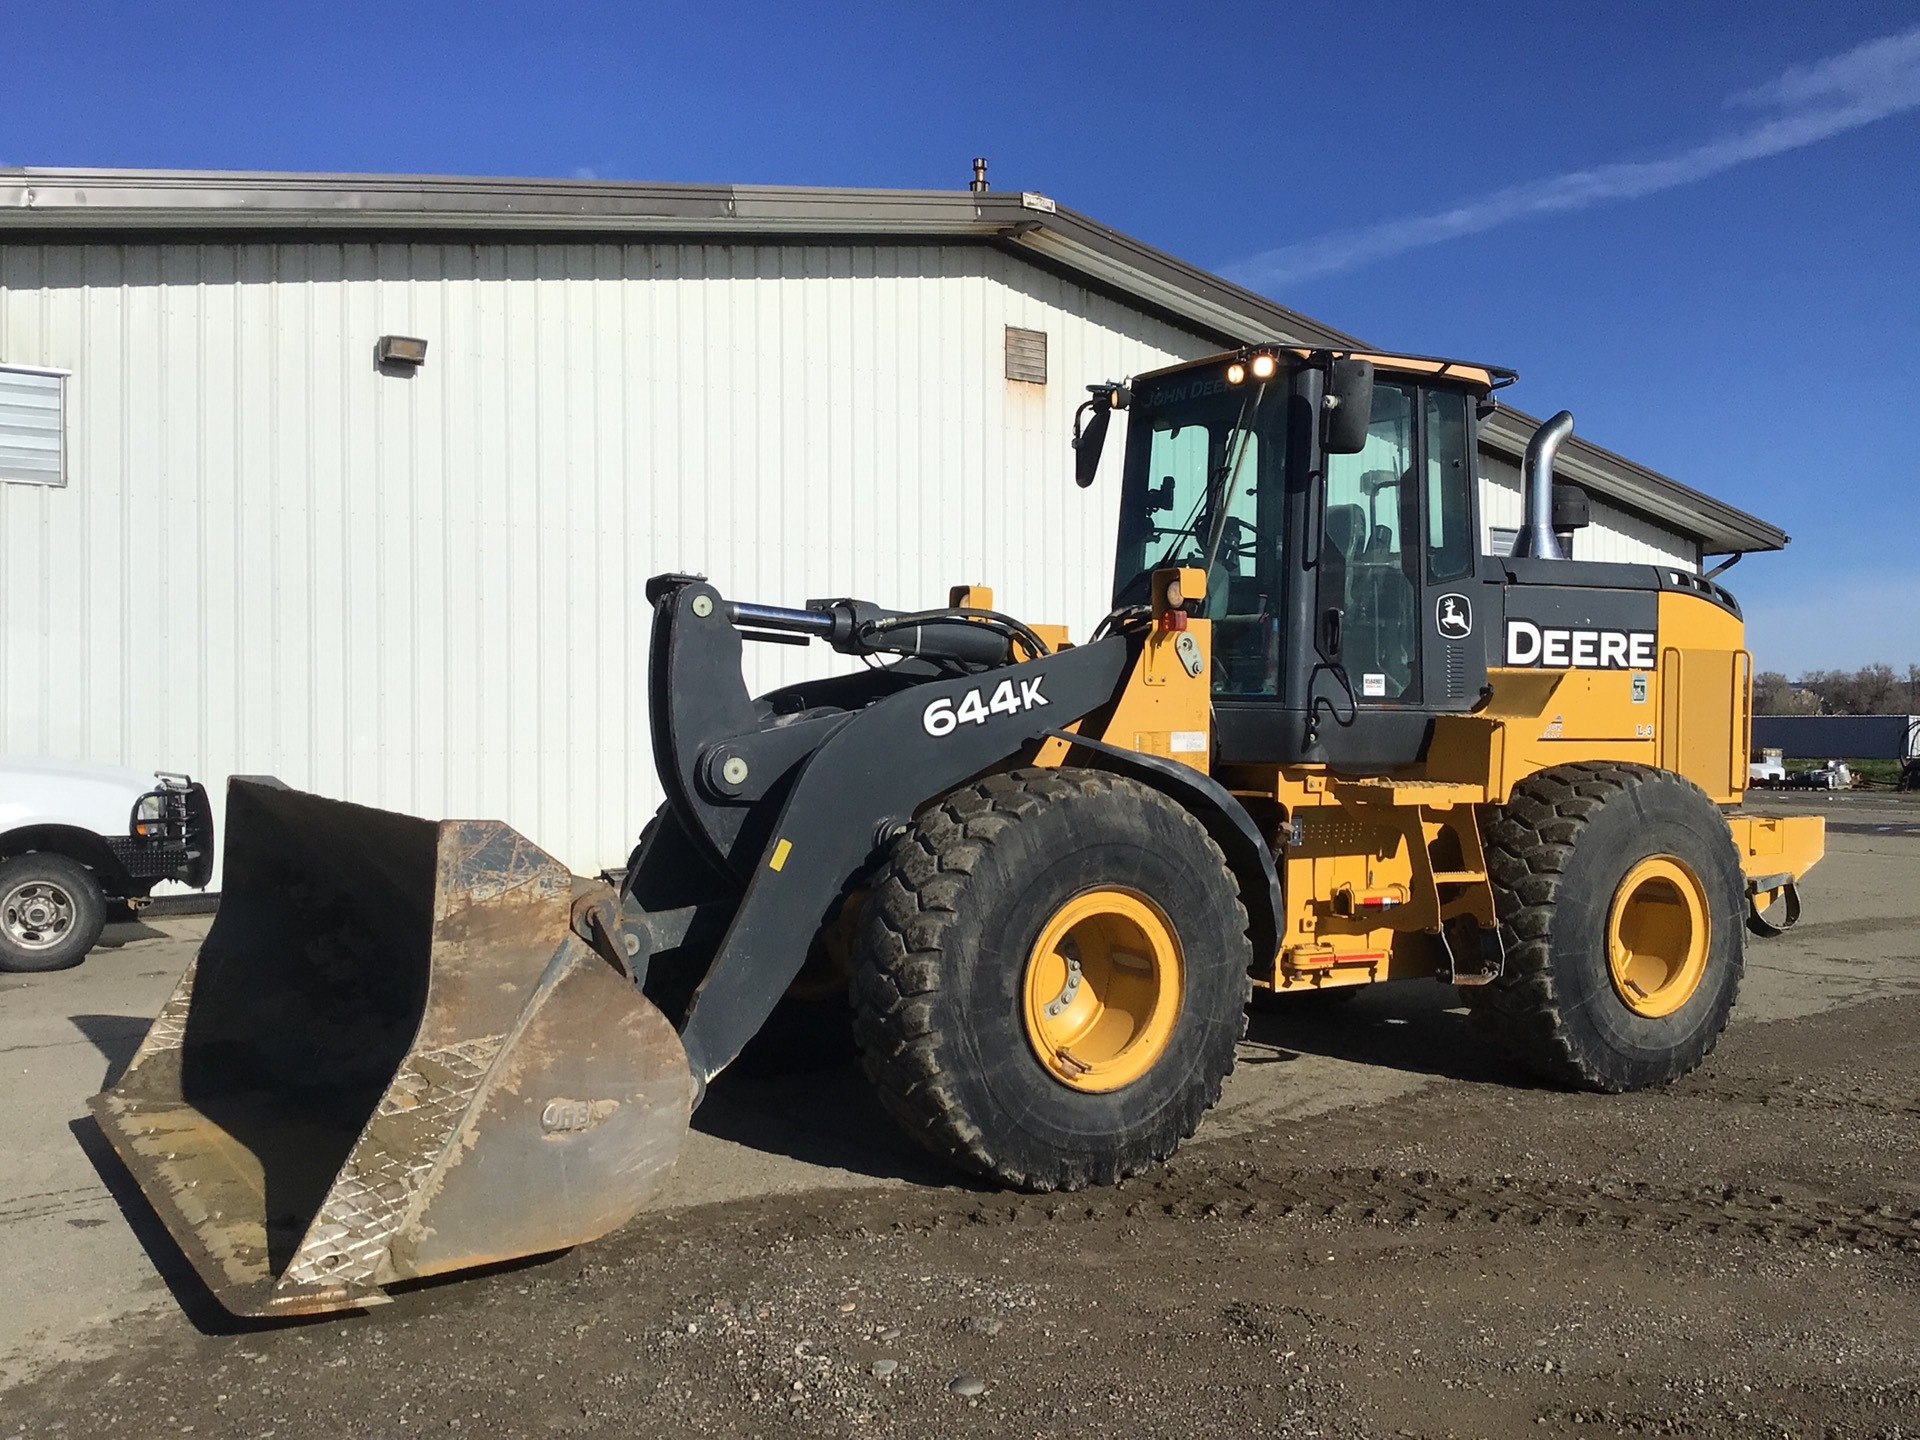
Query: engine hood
x=81 y=793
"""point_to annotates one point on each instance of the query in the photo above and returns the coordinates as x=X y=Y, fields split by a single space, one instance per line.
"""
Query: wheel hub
x=1069 y=952
x=37 y=915
x=1102 y=989
x=1658 y=935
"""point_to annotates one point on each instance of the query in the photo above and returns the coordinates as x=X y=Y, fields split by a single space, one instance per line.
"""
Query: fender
x=1226 y=819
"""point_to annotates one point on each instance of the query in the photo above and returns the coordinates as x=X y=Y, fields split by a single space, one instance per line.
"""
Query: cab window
x=1204 y=488
x=1370 y=551
x=1450 y=539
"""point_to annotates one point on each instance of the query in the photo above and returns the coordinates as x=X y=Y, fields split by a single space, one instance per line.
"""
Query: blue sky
x=1694 y=226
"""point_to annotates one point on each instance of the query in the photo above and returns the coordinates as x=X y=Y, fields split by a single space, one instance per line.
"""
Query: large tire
x=51 y=912
x=1619 y=893
x=967 y=934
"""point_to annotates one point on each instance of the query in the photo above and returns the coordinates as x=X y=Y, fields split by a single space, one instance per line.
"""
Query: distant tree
x=1774 y=694
x=1874 y=691
x=1870 y=690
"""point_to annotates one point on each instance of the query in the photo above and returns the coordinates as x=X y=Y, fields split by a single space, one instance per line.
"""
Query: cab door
x=1400 y=633
x=1453 y=649
x=1370 y=570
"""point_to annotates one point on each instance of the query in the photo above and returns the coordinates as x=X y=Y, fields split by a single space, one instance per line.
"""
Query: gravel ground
x=1736 y=1256
x=1456 y=1253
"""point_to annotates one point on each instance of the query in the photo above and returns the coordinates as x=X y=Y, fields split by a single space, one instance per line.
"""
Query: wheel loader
x=1320 y=741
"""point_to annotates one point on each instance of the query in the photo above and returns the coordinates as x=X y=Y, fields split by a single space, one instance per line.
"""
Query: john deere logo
x=1453 y=615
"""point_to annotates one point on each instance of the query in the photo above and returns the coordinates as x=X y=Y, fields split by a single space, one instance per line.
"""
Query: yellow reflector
x=780 y=853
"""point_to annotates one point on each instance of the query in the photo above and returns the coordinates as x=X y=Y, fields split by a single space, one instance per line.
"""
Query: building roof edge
x=108 y=200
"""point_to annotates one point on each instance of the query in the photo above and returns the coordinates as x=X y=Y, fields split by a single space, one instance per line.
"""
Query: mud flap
x=391 y=1059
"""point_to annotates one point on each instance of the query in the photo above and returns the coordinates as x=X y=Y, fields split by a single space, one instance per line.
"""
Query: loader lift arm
x=784 y=807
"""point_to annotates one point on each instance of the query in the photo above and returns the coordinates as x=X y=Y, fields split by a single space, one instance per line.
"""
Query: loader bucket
x=391 y=1058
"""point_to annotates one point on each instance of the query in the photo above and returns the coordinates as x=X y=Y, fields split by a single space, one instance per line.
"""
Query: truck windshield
x=1203 y=487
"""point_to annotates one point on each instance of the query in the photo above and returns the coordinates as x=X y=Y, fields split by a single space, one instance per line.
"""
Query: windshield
x=1203 y=487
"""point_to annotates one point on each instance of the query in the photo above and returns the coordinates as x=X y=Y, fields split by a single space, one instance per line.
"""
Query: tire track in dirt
x=41 y=1204
x=1358 y=1196
x=1797 y=1095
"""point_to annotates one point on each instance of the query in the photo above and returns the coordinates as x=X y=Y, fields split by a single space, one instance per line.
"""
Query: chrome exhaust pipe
x=1536 y=538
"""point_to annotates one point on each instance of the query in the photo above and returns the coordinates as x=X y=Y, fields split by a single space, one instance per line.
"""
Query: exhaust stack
x=1536 y=539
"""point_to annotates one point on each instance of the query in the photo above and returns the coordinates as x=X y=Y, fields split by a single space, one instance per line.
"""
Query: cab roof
x=1475 y=376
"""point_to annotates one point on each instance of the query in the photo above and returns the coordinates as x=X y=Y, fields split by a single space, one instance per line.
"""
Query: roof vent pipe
x=1536 y=537
x=979 y=183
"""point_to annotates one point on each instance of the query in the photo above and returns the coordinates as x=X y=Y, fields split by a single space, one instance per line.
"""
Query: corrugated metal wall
x=426 y=593
x=1613 y=534
x=1839 y=737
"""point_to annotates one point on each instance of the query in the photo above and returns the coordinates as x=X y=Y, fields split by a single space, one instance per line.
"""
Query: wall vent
x=1027 y=355
x=33 y=426
x=1500 y=540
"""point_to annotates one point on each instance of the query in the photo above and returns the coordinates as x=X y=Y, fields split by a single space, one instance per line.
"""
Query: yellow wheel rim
x=1102 y=989
x=1657 y=936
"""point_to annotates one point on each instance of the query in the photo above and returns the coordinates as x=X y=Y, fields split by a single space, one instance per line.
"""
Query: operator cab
x=1342 y=558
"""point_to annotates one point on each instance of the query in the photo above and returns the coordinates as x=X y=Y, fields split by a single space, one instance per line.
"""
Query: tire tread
x=1528 y=843
x=916 y=902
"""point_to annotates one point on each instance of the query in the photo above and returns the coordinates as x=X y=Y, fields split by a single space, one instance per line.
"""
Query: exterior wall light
x=401 y=350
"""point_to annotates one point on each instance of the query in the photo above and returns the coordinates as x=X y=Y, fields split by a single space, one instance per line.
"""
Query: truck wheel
x=1619 y=894
x=1050 y=976
x=51 y=912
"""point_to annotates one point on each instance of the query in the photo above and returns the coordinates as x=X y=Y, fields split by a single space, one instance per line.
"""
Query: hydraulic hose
x=855 y=627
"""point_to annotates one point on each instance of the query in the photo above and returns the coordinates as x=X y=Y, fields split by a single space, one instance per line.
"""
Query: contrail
x=1807 y=104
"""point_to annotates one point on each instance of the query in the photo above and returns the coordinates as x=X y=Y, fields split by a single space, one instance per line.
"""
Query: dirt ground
x=1456 y=1253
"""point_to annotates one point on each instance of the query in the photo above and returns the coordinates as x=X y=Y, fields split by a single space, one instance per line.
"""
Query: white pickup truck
x=74 y=836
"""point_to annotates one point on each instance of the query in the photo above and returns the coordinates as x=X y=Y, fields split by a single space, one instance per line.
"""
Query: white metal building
x=233 y=541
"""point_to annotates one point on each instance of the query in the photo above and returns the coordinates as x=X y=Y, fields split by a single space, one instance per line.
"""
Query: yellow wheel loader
x=1320 y=741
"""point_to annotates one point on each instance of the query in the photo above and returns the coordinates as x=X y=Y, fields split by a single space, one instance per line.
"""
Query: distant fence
x=1839 y=737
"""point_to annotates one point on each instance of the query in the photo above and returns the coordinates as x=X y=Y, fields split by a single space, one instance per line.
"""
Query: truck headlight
x=150 y=815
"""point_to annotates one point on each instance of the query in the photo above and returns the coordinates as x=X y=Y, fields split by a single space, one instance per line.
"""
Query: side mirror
x=1097 y=414
x=1087 y=443
x=1347 y=407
